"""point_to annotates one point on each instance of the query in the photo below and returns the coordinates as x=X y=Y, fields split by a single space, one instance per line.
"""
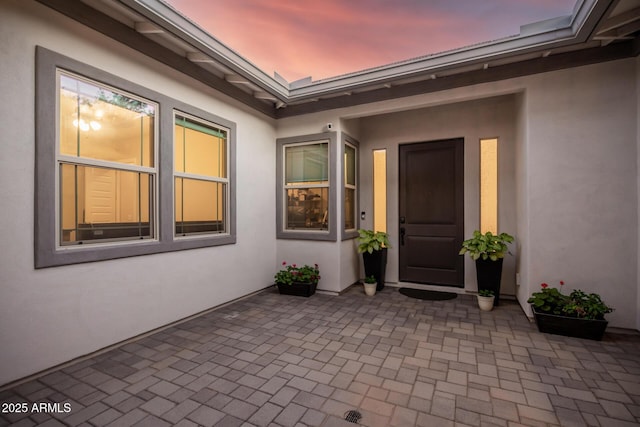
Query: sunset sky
x=326 y=38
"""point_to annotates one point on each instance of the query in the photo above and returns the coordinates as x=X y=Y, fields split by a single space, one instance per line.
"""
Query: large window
x=119 y=172
x=106 y=164
x=200 y=170
x=306 y=187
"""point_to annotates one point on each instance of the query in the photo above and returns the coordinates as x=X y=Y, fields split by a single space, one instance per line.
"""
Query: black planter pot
x=570 y=326
x=489 y=274
x=298 y=289
x=375 y=264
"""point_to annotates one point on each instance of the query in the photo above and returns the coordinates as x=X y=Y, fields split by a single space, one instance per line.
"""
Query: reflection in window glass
x=98 y=123
x=349 y=209
x=106 y=146
x=199 y=206
x=200 y=169
x=307 y=208
x=349 y=165
x=307 y=186
x=306 y=163
x=99 y=203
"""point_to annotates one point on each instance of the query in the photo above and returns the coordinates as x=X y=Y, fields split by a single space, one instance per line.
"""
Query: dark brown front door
x=432 y=212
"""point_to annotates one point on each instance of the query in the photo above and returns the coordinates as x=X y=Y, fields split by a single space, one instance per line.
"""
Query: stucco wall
x=52 y=315
x=573 y=201
x=472 y=120
x=582 y=169
x=338 y=259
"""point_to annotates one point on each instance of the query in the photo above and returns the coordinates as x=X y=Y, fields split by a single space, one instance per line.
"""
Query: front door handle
x=402 y=231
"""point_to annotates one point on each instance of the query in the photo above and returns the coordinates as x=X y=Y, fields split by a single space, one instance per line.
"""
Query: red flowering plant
x=576 y=304
x=292 y=273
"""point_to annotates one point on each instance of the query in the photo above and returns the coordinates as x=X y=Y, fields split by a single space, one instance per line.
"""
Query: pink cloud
x=332 y=37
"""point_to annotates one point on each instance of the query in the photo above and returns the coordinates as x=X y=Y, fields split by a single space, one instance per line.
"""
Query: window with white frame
x=106 y=163
x=306 y=176
x=200 y=177
x=350 y=186
x=306 y=184
x=106 y=186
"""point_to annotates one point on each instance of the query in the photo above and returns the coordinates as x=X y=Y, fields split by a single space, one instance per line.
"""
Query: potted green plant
x=300 y=281
x=370 y=285
x=577 y=314
x=488 y=251
x=373 y=247
x=486 y=298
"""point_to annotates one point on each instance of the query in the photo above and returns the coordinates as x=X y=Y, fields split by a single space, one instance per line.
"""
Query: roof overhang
x=597 y=30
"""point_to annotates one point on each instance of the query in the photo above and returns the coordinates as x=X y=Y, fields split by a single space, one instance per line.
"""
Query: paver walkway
x=280 y=360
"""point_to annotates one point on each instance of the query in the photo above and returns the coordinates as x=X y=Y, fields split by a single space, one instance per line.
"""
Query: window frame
x=111 y=165
x=187 y=175
x=305 y=185
x=350 y=233
x=281 y=230
x=47 y=250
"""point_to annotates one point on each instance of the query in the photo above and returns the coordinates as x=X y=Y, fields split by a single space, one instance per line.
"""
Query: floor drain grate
x=353 y=416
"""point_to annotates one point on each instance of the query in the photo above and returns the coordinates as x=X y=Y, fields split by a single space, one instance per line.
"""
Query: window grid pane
x=200 y=206
x=349 y=165
x=99 y=204
x=349 y=209
x=307 y=208
x=199 y=149
x=98 y=123
x=307 y=163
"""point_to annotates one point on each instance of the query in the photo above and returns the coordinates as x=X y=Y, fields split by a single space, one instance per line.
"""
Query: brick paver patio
x=273 y=360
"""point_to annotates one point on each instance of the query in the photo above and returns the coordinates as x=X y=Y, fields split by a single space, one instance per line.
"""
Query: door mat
x=427 y=295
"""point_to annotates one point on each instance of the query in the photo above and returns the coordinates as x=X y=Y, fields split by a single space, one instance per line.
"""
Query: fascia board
x=545 y=35
x=175 y=23
x=584 y=10
x=434 y=63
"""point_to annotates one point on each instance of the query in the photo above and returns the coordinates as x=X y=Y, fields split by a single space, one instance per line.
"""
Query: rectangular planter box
x=298 y=289
x=570 y=326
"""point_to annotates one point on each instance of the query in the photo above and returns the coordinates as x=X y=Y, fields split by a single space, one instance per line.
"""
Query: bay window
x=306 y=187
